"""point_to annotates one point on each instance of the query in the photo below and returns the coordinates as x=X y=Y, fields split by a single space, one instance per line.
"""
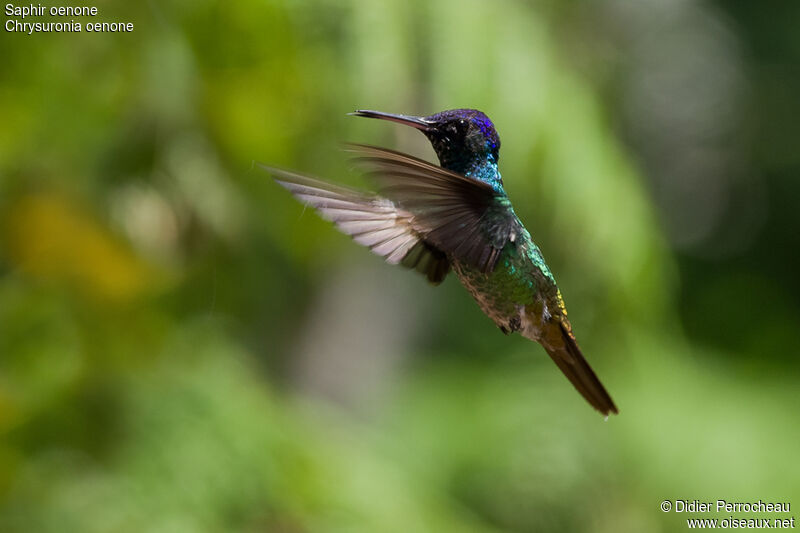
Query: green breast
x=519 y=278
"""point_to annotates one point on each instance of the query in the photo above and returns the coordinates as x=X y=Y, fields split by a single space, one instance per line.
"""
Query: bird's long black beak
x=415 y=122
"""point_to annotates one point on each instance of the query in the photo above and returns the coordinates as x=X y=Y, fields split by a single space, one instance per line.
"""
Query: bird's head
x=462 y=138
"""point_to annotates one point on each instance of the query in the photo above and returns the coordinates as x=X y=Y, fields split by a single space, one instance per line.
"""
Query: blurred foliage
x=184 y=348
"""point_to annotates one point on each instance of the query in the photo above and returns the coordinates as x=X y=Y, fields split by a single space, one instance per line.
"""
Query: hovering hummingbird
x=456 y=216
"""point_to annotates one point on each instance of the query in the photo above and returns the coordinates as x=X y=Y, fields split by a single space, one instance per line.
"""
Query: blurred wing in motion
x=371 y=220
x=465 y=218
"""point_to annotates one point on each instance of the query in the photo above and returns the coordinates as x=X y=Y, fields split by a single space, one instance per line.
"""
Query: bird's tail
x=564 y=351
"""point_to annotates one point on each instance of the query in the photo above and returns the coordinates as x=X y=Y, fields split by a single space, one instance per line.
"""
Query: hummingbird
x=455 y=216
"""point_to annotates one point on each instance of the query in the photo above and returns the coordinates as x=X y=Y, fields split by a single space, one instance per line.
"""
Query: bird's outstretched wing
x=463 y=217
x=371 y=220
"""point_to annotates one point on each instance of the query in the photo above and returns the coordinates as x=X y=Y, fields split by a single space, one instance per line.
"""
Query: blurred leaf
x=51 y=238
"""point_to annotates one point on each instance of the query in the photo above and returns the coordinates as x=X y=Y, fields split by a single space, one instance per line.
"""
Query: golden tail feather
x=564 y=351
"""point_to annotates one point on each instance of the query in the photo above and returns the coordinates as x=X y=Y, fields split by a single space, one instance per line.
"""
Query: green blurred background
x=184 y=348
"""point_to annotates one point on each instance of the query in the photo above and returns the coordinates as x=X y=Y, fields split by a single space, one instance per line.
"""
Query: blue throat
x=484 y=169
